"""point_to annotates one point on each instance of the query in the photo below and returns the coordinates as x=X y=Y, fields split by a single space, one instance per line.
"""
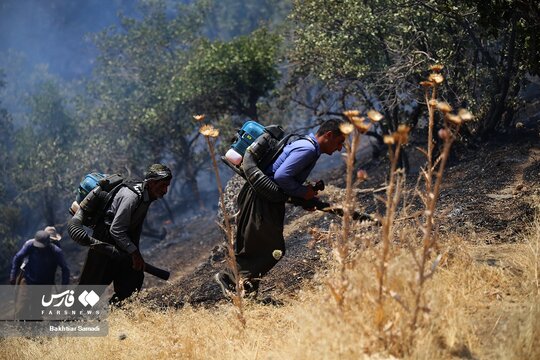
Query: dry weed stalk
x=393 y=194
x=534 y=245
x=211 y=134
x=356 y=126
x=433 y=176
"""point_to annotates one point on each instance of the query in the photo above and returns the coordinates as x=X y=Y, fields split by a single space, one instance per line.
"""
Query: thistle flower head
x=465 y=115
x=453 y=119
x=433 y=102
x=388 y=139
x=436 y=67
x=209 y=131
x=277 y=254
x=351 y=113
x=444 y=107
x=402 y=134
x=360 y=124
x=363 y=127
x=403 y=129
x=436 y=78
x=444 y=134
x=346 y=128
x=426 y=84
x=361 y=175
x=374 y=115
x=199 y=117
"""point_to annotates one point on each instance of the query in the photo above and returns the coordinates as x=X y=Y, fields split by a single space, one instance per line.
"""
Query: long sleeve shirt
x=293 y=166
x=41 y=266
x=128 y=211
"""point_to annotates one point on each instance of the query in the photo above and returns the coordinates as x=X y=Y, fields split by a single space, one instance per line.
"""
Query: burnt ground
x=487 y=191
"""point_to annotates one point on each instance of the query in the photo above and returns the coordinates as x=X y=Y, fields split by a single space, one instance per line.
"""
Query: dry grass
x=483 y=303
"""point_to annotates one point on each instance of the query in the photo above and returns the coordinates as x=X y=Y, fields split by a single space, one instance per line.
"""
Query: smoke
x=53 y=32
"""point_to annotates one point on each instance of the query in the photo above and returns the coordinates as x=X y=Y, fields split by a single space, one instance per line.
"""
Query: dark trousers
x=259 y=234
x=99 y=269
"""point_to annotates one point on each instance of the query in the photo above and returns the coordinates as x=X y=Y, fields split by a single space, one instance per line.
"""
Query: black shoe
x=251 y=288
x=227 y=285
x=268 y=300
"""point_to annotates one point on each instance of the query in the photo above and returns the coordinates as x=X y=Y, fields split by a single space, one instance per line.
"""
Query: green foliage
x=156 y=72
x=383 y=48
x=230 y=77
x=45 y=151
x=9 y=214
x=227 y=19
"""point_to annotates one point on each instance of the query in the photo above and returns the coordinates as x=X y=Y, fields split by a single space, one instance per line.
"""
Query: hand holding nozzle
x=312 y=191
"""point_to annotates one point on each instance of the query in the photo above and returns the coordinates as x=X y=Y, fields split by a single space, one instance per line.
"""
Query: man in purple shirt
x=43 y=259
x=259 y=238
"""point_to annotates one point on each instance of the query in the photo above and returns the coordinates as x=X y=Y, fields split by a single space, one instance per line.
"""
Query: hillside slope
x=486 y=197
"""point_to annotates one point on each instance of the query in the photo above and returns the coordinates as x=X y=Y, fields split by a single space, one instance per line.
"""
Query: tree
x=154 y=73
x=44 y=152
x=230 y=77
x=10 y=215
x=378 y=49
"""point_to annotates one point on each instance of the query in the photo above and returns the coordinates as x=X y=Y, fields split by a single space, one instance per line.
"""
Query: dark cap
x=158 y=172
x=43 y=238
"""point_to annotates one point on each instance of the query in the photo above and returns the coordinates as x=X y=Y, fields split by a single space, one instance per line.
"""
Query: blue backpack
x=264 y=143
x=95 y=194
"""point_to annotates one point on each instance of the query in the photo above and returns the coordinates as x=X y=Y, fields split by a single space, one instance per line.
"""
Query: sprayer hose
x=77 y=232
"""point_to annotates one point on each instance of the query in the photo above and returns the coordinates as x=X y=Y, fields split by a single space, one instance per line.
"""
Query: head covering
x=42 y=239
x=158 y=172
x=55 y=236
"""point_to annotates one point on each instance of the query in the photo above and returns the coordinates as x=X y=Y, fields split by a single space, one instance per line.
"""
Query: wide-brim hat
x=55 y=236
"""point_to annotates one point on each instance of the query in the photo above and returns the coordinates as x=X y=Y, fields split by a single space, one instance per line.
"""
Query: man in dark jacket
x=43 y=259
x=122 y=227
x=259 y=238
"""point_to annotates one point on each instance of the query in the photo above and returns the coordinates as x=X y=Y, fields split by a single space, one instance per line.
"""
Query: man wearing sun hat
x=43 y=259
x=55 y=236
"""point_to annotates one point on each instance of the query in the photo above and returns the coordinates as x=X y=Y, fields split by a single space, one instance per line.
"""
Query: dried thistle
x=346 y=128
x=351 y=113
x=357 y=120
x=361 y=175
x=453 y=119
x=388 y=139
x=436 y=67
x=374 y=115
x=436 y=78
x=207 y=130
x=465 y=115
x=360 y=124
x=444 y=134
x=402 y=134
x=427 y=84
x=199 y=117
x=444 y=107
x=211 y=133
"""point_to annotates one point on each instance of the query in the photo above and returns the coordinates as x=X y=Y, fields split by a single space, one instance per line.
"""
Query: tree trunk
x=48 y=209
x=498 y=103
x=191 y=180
